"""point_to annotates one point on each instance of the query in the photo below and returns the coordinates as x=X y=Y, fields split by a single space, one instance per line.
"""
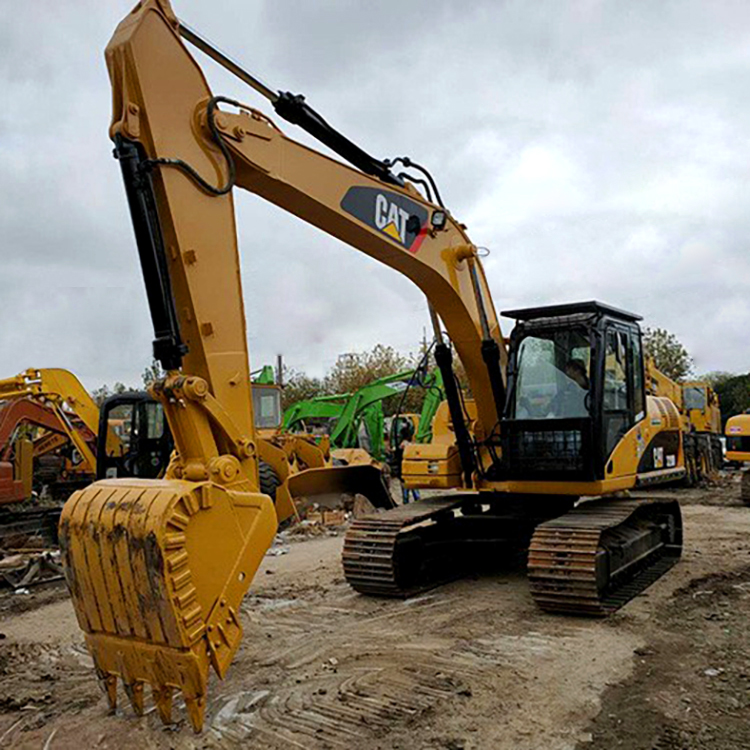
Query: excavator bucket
x=157 y=570
x=325 y=485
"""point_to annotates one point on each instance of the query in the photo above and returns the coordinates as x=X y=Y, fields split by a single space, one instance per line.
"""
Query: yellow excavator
x=737 y=431
x=157 y=568
x=698 y=405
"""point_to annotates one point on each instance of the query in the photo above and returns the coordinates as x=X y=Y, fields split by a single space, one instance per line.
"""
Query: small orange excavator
x=43 y=412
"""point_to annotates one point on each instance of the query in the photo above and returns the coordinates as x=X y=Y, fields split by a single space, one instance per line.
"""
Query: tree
x=354 y=370
x=669 y=355
x=734 y=395
x=299 y=387
x=104 y=392
x=152 y=373
x=716 y=378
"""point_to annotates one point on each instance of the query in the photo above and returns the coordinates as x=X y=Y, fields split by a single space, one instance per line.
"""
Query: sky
x=598 y=150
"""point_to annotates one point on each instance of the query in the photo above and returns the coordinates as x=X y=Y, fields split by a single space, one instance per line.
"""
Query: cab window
x=636 y=366
x=554 y=371
x=267 y=407
x=695 y=397
x=623 y=396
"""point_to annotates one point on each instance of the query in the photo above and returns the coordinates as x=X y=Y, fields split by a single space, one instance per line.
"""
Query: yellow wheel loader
x=157 y=568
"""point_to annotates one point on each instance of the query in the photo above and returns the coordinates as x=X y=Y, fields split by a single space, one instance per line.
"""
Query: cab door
x=134 y=438
x=623 y=396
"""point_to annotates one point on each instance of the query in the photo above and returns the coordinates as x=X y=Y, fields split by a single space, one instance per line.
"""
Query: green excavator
x=349 y=412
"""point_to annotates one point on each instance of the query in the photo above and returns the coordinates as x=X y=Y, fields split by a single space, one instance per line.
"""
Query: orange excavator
x=47 y=418
x=157 y=568
x=19 y=420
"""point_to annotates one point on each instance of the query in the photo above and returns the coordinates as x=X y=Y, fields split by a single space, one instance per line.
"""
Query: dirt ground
x=473 y=664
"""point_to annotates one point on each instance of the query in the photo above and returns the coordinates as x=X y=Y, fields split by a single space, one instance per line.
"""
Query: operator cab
x=694 y=397
x=266 y=406
x=575 y=387
x=134 y=439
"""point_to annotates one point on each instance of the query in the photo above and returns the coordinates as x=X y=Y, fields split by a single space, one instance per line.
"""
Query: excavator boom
x=155 y=594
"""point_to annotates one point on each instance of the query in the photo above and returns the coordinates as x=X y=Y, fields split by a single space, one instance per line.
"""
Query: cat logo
x=390 y=218
x=397 y=217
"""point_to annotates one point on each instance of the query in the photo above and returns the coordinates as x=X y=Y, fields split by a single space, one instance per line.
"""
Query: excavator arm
x=172 y=133
x=157 y=568
x=432 y=400
x=17 y=450
x=321 y=407
x=62 y=392
x=344 y=434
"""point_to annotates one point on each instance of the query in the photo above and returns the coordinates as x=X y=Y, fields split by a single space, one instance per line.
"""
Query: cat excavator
x=698 y=405
x=157 y=568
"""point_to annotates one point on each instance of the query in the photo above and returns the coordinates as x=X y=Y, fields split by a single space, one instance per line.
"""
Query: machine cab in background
x=144 y=442
x=575 y=387
x=267 y=406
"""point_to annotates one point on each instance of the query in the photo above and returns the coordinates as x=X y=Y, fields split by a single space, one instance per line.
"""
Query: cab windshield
x=266 y=406
x=695 y=397
x=554 y=375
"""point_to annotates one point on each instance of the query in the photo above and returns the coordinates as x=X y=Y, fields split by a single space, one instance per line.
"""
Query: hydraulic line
x=294 y=109
x=444 y=361
x=169 y=348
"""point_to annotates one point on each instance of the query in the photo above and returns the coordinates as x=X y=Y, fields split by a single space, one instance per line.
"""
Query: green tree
x=715 y=377
x=104 y=392
x=668 y=353
x=299 y=387
x=152 y=373
x=734 y=394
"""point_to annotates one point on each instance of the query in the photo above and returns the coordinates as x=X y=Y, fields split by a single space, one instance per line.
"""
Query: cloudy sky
x=598 y=149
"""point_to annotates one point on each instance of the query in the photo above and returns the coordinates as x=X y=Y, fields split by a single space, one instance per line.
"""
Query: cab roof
x=571 y=308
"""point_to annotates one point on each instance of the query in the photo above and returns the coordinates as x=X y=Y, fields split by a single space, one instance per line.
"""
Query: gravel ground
x=473 y=664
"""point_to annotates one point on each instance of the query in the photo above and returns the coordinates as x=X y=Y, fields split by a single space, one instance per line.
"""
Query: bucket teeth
x=163 y=700
x=109 y=686
x=195 y=709
x=145 y=611
x=134 y=691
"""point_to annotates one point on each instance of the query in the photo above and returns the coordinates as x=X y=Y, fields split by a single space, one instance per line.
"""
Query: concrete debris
x=18 y=570
x=328 y=517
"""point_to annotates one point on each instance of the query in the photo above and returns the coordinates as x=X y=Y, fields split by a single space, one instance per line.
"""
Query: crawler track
x=594 y=559
x=412 y=548
x=588 y=561
x=382 y=558
x=16 y=526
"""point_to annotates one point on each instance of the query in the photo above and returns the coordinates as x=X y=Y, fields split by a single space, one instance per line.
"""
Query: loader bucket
x=325 y=485
x=157 y=570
